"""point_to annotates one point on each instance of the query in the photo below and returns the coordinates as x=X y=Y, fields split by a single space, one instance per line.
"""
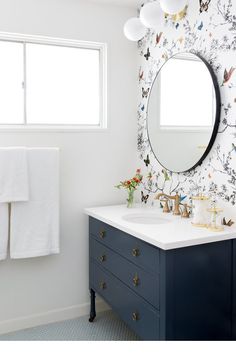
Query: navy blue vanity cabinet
x=196 y=292
x=234 y=292
x=179 y=294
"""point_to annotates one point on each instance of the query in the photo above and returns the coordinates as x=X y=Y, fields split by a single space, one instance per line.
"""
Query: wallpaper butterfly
x=147 y=160
x=158 y=38
x=144 y=198
x=204 y=5
x=147 y=55
x=200 y=26
x=227 y=75
x=140 y=76
x=145 y=92
x=181 y=39
x=182 y=197
x=166 y=176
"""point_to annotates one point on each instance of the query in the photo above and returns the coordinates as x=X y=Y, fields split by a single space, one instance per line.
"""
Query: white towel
x=13 y=187
x=4 y=226
x=13 y=174
x=35 y=224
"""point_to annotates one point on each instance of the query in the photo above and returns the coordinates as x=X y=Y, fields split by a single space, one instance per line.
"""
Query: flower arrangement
x=131 y=185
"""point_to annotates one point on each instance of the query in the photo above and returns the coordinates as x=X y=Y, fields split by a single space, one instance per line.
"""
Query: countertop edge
x=159 y=244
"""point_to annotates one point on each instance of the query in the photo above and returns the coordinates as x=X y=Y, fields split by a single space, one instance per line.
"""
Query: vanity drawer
x=132 y=248
x=139 y=315
x=142 y=282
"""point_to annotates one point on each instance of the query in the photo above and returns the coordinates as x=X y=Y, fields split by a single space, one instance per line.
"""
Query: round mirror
x=183 y=112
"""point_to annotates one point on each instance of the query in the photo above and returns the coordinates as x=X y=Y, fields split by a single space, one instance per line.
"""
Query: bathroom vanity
x=166 y=279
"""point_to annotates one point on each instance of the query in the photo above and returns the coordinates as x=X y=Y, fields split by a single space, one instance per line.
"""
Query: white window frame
x=102 y=47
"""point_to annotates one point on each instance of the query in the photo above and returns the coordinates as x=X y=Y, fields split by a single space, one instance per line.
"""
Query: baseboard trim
x=52 y=316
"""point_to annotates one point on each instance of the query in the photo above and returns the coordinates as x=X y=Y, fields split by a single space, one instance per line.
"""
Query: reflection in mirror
x=183 y=112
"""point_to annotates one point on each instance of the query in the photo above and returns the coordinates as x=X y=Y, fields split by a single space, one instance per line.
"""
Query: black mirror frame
x=217 y=113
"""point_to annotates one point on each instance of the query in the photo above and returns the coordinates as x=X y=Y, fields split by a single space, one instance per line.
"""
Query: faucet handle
x=166 y=208
x=185 y=213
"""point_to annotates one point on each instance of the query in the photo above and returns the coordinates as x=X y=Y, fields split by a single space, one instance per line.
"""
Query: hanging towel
x=13 y=187
x=4 y=226
x=13 y=174
x=34 y=227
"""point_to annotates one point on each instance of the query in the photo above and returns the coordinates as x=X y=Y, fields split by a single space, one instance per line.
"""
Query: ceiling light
x=172 y=6
x=151 y=14
x=134 y=30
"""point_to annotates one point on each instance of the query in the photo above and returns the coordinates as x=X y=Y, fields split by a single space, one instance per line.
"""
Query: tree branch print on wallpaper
x=211 y=34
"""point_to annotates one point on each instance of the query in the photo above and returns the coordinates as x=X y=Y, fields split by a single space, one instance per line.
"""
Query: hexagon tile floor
x=106 y=326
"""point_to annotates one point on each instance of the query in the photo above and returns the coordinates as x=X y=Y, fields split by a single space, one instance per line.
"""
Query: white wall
x=91 y=162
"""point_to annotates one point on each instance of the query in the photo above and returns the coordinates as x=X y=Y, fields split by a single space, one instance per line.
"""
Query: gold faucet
x=166 y=208
x=185 y=213
x=176 y=198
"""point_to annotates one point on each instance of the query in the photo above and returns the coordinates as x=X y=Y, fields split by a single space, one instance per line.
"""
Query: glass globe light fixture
x=151 y=14
x=134 y=30
x=172 y=7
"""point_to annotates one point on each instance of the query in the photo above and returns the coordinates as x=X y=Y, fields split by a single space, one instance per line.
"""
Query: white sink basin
x=144 y=218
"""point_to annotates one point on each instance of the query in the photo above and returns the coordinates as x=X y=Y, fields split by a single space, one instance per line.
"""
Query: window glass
x=11 y=83
x=62 y=85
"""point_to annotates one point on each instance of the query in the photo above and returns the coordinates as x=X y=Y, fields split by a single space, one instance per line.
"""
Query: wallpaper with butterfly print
x=209 y=28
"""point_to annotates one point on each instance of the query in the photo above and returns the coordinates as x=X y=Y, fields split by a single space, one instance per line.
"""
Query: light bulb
x=151 y=14
x=134 y=30
x=172 y=7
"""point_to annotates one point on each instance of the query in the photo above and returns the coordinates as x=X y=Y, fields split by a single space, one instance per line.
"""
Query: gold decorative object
x=200 y=197
x=179 y=16
x=135 y=252
x=200 y=225
x=214 y=225
x=102 y=258
x=135 y=316
x=176 y=198
x=136 y=280
x=229 y=223
x=102 y=234
x=200 y=205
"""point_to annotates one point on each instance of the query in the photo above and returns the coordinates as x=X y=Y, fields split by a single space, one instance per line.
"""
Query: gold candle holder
x=200 y=217
x=214 y=225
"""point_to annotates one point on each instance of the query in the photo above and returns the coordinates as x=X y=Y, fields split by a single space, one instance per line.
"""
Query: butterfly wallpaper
x=208 y=28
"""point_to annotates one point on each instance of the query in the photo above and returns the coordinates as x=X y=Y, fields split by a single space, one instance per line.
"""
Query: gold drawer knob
x=102 y=258
x=135 y=252
x=102 y=233
x=135 y=316
x=103 y=285
x=136 y=280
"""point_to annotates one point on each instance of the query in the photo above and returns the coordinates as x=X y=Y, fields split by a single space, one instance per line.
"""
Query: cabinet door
x=234 y=290
x=200 y=290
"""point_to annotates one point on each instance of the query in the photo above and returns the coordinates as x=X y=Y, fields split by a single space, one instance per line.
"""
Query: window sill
x=50 y=129
x=184 y=129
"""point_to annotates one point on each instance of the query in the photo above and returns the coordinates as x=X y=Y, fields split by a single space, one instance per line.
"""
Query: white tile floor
x=106 y=326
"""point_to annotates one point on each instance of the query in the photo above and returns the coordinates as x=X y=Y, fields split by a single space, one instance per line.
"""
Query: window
x=52 y=83
x=11 y=83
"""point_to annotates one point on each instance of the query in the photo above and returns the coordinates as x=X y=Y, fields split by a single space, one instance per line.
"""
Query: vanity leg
x=92 y=306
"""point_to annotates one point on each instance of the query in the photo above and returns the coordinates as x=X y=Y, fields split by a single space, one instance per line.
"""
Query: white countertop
x=178 y=233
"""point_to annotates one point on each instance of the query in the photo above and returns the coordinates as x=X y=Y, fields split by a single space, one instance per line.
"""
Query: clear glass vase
x=130 y=199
